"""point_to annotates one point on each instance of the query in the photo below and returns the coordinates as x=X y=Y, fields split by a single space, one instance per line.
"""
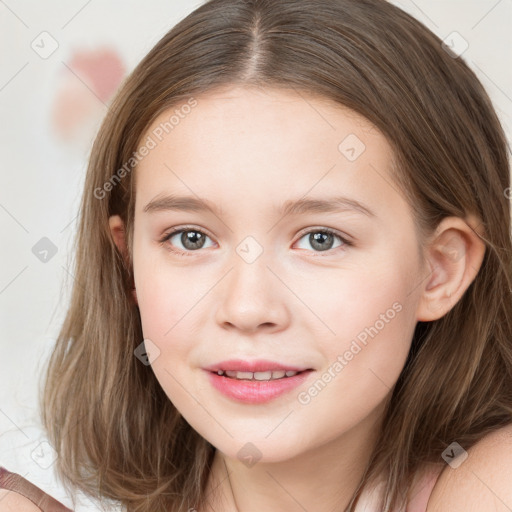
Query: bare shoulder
x=11 y=501
x=482 y=483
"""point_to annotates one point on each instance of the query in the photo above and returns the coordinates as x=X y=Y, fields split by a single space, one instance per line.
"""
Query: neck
x=323 y=478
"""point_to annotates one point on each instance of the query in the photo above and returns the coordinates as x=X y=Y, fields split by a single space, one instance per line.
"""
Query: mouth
x=257 y=369
x=255 y=381
x=257 y=387
x=259 y=376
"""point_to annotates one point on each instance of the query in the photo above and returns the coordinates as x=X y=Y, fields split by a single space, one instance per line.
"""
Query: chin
x=254 y=449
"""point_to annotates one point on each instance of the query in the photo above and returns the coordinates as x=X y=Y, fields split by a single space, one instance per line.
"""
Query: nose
x=252 y=298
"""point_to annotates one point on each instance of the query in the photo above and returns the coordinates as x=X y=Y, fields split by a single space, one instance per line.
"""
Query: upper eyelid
x=313 y=229
x=173 y=232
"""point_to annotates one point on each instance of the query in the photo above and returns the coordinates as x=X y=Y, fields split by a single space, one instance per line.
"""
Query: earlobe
x=454 y=257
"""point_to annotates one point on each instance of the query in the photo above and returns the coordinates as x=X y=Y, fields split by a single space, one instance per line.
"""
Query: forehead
x=264 y=144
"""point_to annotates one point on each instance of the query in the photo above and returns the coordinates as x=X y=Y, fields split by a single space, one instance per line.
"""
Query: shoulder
x=11 y=501
x=482 y=482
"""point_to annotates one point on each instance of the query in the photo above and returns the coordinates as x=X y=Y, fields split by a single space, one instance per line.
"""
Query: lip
x=258 y=365
x=255 y=391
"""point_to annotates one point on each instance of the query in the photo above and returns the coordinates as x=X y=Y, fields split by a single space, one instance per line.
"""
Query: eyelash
x=167 y=236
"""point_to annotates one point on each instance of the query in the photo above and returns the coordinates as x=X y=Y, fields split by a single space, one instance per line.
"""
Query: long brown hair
x=117 y=434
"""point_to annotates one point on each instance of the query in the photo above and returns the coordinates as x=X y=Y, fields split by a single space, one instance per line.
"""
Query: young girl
x=215 y=356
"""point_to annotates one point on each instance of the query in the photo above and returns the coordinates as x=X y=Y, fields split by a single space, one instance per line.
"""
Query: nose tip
x=249 y=299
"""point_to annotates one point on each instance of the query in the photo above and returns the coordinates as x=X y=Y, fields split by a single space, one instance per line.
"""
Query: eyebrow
x=291 y=207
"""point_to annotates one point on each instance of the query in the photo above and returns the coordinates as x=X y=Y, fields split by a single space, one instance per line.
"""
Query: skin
x=11 y=501
x=248 y=151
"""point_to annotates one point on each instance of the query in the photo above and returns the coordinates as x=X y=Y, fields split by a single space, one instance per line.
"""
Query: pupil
x=192 y=239
x=318 y=240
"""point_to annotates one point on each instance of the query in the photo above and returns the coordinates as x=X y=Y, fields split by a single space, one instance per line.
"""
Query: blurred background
x=60 y=64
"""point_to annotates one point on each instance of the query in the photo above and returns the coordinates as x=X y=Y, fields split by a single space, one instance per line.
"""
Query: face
x=326 y=286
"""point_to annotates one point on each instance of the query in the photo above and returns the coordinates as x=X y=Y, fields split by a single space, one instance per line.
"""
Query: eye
x=190 y=239
x=322 y=239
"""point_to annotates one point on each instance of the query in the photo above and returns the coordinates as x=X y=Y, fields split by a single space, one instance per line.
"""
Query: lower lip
x=256 y=391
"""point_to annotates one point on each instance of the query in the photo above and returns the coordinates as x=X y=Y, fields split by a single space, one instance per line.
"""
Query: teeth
x=239 y=375
x=278 y=374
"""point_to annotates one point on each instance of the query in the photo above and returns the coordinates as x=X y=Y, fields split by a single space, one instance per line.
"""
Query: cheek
x=173 y=306
x=156 y=304
x=364 y=360
x=371 y=320
x=370 y=300
x=166 y=306
x=168 y=315
x=164 y=292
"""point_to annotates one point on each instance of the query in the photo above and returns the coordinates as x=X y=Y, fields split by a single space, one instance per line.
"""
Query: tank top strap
x=17 y=483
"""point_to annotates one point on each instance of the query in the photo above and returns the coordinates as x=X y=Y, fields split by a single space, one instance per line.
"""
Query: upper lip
x=258 y=365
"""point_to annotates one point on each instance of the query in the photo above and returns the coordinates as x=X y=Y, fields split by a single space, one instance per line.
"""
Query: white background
x=41 y=175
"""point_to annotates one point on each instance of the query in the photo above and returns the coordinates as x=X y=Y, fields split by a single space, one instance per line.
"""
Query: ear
x=117 y=230
x=454 y=256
